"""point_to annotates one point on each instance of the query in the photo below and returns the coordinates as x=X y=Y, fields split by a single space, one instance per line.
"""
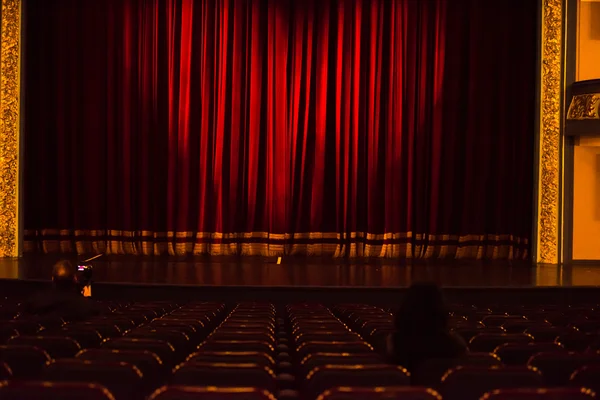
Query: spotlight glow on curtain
x=387 y=128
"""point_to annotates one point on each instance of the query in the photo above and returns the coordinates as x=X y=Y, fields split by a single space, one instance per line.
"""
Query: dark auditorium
x=299 y=199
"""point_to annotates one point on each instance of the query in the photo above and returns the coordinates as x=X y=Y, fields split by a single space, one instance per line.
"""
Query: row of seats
x=167 y=350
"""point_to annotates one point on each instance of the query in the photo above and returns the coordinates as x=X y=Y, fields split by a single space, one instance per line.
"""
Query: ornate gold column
x=550 y=139
x=10 y=73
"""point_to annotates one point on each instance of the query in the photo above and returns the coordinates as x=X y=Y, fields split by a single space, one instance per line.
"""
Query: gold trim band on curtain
x=353 y=244
x=550 y=138
x=10 y=72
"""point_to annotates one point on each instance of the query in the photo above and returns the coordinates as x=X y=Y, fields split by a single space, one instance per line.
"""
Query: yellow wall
x=586 y=196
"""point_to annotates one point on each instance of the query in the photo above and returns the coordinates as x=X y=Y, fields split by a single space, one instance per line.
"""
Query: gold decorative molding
x=10 y=72
x=584 y=107
x=550 y=140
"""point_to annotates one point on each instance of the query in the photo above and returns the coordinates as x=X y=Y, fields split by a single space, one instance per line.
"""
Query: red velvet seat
x=587 y=376
x=232 y=357
x=520 y=353
x=25 y=362
x=314 y=360
x=327 y=377
x=161 y=348
x=86 y=337
x=5 y=371
x=541 y=394
x=123 y=380
x=332 y=347
x=430 y=372
x=557 y=367
x=237 y=345
x=376 y=393
x=470 y=383
x=486 y=342
x=149 y=364
x=55 y=346
x=22 y=390
x=224 y=375
x=210 y=393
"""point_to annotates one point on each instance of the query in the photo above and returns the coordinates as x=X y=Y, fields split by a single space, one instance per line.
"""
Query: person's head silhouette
x=422 y=311
x=63 y=276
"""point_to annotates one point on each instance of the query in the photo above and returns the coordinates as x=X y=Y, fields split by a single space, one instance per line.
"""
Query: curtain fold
x=350 y=128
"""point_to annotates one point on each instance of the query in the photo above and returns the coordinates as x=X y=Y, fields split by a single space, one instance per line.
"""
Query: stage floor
x=259 y=272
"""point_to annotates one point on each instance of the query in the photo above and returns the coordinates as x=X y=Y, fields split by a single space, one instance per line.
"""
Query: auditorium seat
x=224 y=375
x=430 y=372
x=486 y=342
x=179 y=340
x=327 y=377
x=25 y=362
x=123 y=380
x=547 y=333
x=22 y=390
x=232 y=357
x=541 y=394
x=210 y=393
x=23 y=327
x=587 y=376
x=557 y=367
x=237 y=345
x=332 y=347
x=149 y=364
x=6 y=333
x=5 y=371
x=520 y=353
x=161 y=348
x=377 y=393
x=470 y=382
x=86 y=337
x=314 y=360
x=576 y=341
x=55 y=346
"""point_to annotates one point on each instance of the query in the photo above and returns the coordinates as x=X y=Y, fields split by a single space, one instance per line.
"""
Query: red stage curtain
x=381 y=128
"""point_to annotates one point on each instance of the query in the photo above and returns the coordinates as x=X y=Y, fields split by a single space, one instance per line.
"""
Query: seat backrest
x=179 y=340
x=237 y=345
x=486 y=342
x=541 y=394
x=86 y=337
x=123 y=380
x=25 y=362
x=576 y=341
x=105 y=328
x=161 y=348
x=401 y=392
x=430 y=372
x=19 y=390
x=224 y=375
x=318 y=359
x=520 y=353
x=332 y=347
x=547 y=333
x=233 y=357
x=148 y=363
x=587 y=376
x=5 y=371
x=326 y=377
x=55 y=346
x=557 y=367
x=210 y=393
x=469 y=382
x=24 y=327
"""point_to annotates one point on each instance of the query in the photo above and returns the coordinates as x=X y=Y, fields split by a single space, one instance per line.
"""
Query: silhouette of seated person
x=64 y=300
x=421 y=329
